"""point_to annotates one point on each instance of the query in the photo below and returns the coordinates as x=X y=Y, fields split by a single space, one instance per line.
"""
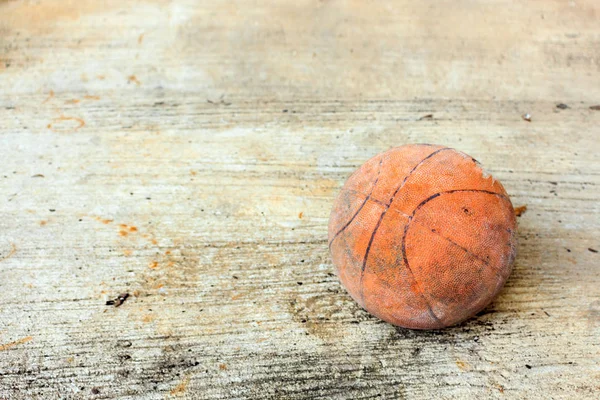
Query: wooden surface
x=188 y=153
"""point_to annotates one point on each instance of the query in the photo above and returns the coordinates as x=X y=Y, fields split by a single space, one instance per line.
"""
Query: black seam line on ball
x=427 y=200
x=363 y=196
x=469 y=252
x=343 y=228
x=407 y=226
x=389 y=203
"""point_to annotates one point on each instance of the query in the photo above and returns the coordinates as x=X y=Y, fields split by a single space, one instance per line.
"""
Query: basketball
x=422 y=236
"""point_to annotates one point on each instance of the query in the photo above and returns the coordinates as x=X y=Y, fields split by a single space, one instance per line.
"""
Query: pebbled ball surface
x=422 y=237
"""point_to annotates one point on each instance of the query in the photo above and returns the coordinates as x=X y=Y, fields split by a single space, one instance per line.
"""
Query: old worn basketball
x=422 y=236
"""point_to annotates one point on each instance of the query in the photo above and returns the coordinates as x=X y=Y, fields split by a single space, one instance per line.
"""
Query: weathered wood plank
x=187 y=153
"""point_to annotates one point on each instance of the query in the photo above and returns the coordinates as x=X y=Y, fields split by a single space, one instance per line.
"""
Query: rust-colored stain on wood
x=12 y=251
x=133 y=79
x=462 y=365
x=50 y=96
x=520 y=210
x=125 y=229
x=148 y=318
x=180 y=389
x=15 y=343
x=66 y=124
x=105 y=221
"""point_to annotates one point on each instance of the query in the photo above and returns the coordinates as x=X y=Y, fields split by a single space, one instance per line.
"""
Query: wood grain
x=188 y=153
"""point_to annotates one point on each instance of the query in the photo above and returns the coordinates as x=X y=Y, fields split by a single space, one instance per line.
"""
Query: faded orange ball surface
x=422 y=237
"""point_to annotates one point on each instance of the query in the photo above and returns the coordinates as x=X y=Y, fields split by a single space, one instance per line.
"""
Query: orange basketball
x=422 y=237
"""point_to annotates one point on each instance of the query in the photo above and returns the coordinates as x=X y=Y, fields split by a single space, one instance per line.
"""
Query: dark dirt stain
x=221 y=101
x=595 y=108
x=170 y=366
x=119 y=300
x=323 y=314
x=334 y=377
